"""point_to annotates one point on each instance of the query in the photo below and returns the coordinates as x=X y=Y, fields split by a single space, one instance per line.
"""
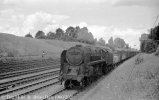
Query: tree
x=110 y=42
x=29 y=35
x=127 y=46
x=101 y=41
x=142 y=46
x=40 y=35
x=119 y=43
x=77 y=29
x=51 y=35
x=59 y=33
x=150 y=46
x=154 y=33
x=71 y=31
x=85 y=36
x=95 y=40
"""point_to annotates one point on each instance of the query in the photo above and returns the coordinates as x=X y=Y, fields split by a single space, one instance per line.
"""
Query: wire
x=156 y=20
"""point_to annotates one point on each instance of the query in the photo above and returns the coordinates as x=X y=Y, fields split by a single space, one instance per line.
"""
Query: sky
x=127 y=19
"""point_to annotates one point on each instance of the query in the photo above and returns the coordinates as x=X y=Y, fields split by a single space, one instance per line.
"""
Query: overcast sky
x=126 y=19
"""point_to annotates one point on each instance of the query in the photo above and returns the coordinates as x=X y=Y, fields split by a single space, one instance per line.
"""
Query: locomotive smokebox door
x=74 y=56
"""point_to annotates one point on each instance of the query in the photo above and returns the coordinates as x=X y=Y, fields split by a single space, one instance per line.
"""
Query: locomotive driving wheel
x=69 y=84
x=85 y=82
x=90 y=80
x=82 y=83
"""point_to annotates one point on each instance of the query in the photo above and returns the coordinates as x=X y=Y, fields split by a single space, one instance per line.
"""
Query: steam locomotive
x=80 y=65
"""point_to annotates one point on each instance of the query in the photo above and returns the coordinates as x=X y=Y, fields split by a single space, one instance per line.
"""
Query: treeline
x=151 y=44
x=118 y=43
x=77 y=34
x=70 y=34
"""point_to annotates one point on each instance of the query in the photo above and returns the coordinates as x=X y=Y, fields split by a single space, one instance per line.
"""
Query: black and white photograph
x=79 y=49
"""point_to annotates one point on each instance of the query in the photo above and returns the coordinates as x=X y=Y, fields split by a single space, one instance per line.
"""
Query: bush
x=29 y=35
x=157 y=52
x=150 y=46
x=154 y=33
x=40 y=35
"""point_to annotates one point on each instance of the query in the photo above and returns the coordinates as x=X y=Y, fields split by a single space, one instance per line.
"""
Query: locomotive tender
x=81 y=64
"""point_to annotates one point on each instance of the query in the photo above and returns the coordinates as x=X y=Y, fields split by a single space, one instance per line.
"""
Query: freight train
x=80 y=65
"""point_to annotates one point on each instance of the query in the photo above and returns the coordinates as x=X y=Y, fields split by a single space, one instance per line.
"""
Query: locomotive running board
x=96 y=62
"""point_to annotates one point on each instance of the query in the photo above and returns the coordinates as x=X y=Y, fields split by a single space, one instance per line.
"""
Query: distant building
x=143 y=39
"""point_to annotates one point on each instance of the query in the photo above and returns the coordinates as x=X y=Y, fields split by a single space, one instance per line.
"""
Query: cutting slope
x=11 y=45
x=136 y=79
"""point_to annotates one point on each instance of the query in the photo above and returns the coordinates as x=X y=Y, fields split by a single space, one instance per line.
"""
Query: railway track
x=23 y=86
x=20 y=62
x=19 y=80
x=29 y=88
x=29 y=71
x=22 y=82
x=9 y=67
